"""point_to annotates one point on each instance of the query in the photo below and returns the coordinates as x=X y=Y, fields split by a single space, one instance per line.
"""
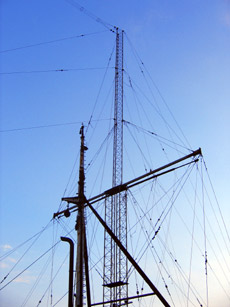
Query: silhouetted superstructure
x=116 y=255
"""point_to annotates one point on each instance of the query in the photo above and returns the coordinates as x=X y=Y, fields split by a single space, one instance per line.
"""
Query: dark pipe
x=70 y=304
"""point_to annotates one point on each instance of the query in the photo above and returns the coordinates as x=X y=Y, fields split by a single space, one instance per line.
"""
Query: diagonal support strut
x=129 y=257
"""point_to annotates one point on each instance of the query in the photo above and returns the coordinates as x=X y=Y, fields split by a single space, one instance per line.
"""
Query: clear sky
x=185 y=46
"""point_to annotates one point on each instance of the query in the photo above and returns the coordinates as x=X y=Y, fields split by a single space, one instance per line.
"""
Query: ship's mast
x=115 y=263
x=82 y=257
x=82 y=269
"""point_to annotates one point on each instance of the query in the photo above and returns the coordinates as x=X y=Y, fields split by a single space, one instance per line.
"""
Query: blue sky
x=185 y=47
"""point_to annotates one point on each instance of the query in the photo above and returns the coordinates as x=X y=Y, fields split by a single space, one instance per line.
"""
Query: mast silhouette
x=82 y=271
x=116 y=255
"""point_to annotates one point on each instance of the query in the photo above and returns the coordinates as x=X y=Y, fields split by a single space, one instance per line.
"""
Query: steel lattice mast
x=115 y=263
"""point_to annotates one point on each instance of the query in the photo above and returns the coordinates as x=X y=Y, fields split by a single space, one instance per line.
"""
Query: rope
x=50 y=284
x=191 y=251
x=37 y=236
x=52 y=70
x=50 y=42
x=205 y=240
x=154 y=134
x=45 y=267
x=222 y=218
x=20 y=245
x=51 y=125
x=91 y=15
x=142 y=68
x=29 y=265
x=103 y=80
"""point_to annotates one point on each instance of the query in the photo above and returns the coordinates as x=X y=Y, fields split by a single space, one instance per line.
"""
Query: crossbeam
x=126 y=299
x=117 y=189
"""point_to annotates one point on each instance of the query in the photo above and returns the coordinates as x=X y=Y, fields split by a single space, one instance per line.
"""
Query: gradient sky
x=184 y=44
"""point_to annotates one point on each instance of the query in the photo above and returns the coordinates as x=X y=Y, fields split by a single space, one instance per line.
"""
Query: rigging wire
x=213 y=233
x=29 y=266
x=218 y=205
x=21 y=257
x=211 y=227
x=60 y=299
x=162 y=259
x=200 y=250
x=82 y=9
x=166 y=211
x=193 y=289
x=132 y=249
x=220 y=283
x=138 y=114
x=52 y=264
x=45 y=267
x=52 y=125
x=36 y=260
x=205 y=239
x=184 y=277
x=67 y=231
x=174 y=201
x=53 y=70
x=74 y=180
x=182 y=274
x=20 y=245
x=52 y=280
x=51 y=41
x=156 y=110
x=94 y=229
x=145 y=160
x=104 y=142
x=95 y=255
x=156 y=135
x=163 y=251
x=37 y=236
x=104 y=164
x=147 y=212
x=99 y=92
x=142 y=68
x=148 y=244
x=206 y=259
x=192 y=240
x=136 y=99
x=144 y=214
x=41 y=273
x=168 y=110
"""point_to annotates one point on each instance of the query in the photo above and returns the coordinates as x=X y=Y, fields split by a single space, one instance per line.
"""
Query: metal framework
x=115 y=262
x=79 y=204
x=116 y=255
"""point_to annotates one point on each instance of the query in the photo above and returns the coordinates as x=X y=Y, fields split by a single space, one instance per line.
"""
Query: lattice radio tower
x=115 y=263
